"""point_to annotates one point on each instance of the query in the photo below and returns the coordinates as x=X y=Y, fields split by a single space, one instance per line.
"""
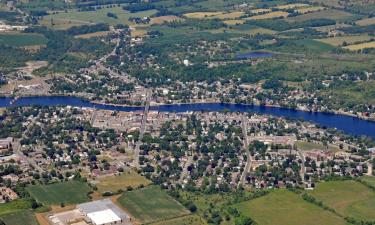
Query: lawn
x=71 y=192
x=24 y=217
x=22 y=39
x=151 y=204
x=369 y=180
x=14 y=206
x=115 y=183
x=62 y=19
x=349 y=198
x=309 y=146
x=283 y=207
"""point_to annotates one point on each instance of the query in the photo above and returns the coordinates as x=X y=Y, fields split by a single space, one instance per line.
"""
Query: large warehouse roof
x=103 y=217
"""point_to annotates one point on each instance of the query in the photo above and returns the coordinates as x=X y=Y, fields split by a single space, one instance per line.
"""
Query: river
x=348 y=124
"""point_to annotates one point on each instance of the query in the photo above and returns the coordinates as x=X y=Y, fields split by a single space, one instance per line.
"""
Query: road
x=246 y=148
x=303 y=168
x=17 y=151
x=142 y=129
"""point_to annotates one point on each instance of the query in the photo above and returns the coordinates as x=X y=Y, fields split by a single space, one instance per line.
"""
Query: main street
x=246 y=148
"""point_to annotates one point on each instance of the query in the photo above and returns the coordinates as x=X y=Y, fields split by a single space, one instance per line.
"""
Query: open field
x=310 y=9
x=14 y=206
x=165 y=19
x=283 y=207
x=25 y=217
x=366 y=21
x=231 y=15
x=184 y=220
x=70 y=192
x=256 y=11
x=95 y=34
x=270 y=15
x=22 y=39
x=338 y=41
x=369 y=180
x=349 y=198
x=234 y=22
x=291 y=6
x=201 y=15
x=308 y=146
x=115 y=183
x=64 y=20
x=333 y=14
x=361 y=46
x=151 y=204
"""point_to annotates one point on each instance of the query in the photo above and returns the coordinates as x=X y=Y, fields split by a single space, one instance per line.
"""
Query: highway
x=246 y=148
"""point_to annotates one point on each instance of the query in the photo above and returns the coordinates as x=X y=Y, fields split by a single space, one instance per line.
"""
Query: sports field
x=22 y=39
x=25 y=217
x=283 y=207
x=151 y=204
x=115 y=183
x=70 y=192
x=349 y=198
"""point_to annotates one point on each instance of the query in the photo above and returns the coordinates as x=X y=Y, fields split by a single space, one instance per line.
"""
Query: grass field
x=165 y=19
x=151 y=204
x=349 y=198
x=366 y=21
x=234 y=22
x=71 y=192
x=24 y=217
x=22 y=39
x=231 y=15
x=64 y=20
x=333 y=14
x=14 y=206
x=95 y=34
x=283 y=207
x=337 y=41
x=201 y=15
x=292 y=6
x=361 y=46
x=256 y=11
x=310 y=9
x=184 y=220
x=369 y=180
x=308 y=146
x=114 y=183
x=270 y=15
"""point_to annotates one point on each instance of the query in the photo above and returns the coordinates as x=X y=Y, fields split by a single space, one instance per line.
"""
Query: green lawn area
x=115 y=183
x=184 y=220
x=308 y=146
x=24 y=217
x=349 y=198
x=283 y=207
x=64 y=20
x=70 y=192
x=151 y=204
x=22 y=39
x=369 y=180
x=14 y=206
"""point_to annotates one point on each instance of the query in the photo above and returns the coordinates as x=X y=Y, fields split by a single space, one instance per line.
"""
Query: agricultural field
x=201 y=15
x=184 y=220
x=340 y=40
x=95 y=34
x=71 y=192
x=151 y=204
x=121 y=182
x=361 y=46
x=292 y=6
x=165 y=19
x=369 y=180
x=349 y=198
x=234 y=22
x=310 y=9
x=332 y=14
x=283 y=207
x=231 y=15
x=22 y=39
x=64 y=20
x=24 y=217
x=366 y=21
x=270 y=15
x=14 y=207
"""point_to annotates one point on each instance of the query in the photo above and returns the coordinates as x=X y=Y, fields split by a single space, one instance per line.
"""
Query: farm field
x=184 y=220
x=231 y=15
x=333 y=14
x=369 y=180
x=70 y=192
x=95 y=34
x=66 y=20
x=151 y=204
x=283 y=207
x=234 y=22
x=366 y=21
x=338 y=41
x=270 y=15
x=349 y=198
x=361 y=46
x=164 y=19
x=309 y=9
x=201 y=15
x=292 y=6
x=14 y=206
x=22 y=39
x=25 y=217
x=115 y=183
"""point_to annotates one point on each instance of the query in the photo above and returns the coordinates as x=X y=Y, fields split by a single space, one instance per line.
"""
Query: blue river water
x=348 y=124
